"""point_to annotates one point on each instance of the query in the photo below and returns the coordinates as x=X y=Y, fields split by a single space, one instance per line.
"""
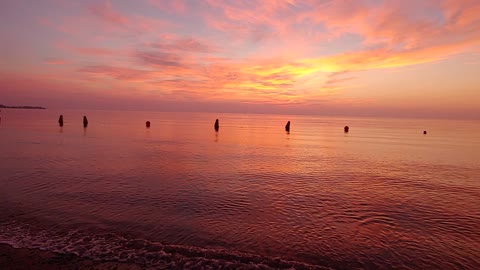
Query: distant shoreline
x=22 y=107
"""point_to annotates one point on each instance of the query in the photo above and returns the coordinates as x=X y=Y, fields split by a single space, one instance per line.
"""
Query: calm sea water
x=180 y=194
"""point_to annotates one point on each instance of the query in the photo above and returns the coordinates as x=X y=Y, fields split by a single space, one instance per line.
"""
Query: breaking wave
x=112 y=247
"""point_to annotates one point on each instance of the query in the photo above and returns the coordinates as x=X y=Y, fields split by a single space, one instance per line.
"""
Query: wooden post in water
x=147 y=124
x=345 y=129
x=60 y=120
x=287 y=127
x=216 y=126
x=85 y=121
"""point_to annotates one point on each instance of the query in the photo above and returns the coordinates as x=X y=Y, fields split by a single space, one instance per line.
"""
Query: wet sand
x=23 y=258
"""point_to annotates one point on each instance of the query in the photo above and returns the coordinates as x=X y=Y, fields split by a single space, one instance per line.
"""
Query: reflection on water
x=381 y=196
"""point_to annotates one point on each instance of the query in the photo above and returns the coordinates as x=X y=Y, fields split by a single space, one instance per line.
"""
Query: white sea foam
x=112 y=247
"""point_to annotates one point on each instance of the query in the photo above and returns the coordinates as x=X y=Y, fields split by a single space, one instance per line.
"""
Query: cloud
x=184 y=45
x=95 y=51
x=255 y=21
x=103 y=20
x=119 y=73
x=392 y=33
x=161 y=59
x=336 y=79
x=54 y=61
x=106 y=12
x=177 y=6
x=209 y=78
x=384 y=58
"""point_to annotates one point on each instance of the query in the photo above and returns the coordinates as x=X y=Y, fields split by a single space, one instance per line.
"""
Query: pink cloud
x=119 y=73
x=103 y=20
x=54 y=61
x=106 y=12
x=90 y=51
x=176 y=6
x=184 y=45
x=257 y=20
x=95 y=51
x=388 y=24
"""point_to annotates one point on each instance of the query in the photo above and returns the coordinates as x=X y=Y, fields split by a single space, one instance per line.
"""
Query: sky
x=353 y=57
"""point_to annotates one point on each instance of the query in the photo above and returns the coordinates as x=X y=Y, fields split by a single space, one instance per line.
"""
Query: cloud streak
x=105 y=12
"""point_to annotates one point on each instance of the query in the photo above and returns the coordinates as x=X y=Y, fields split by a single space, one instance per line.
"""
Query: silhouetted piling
x=346 y=128
x=147 y=124
x=60 y=120
x=287 y=127
x=216 y=126
x=85 y=121
x=425 y=132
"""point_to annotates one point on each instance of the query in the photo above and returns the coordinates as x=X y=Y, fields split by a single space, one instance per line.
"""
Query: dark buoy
x=85 y=121
x=60 y=120
x=147 y=124
x=216 y=126
x=287 y=127
x=425 y=132
x=346 y=128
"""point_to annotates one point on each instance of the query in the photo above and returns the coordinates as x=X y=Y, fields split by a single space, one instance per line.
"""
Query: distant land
x=22 y=107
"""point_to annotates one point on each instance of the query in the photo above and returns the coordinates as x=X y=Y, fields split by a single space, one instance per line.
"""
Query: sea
x=248 y=196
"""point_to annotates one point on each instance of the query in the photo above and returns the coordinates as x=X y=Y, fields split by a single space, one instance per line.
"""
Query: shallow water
x=382 y=196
